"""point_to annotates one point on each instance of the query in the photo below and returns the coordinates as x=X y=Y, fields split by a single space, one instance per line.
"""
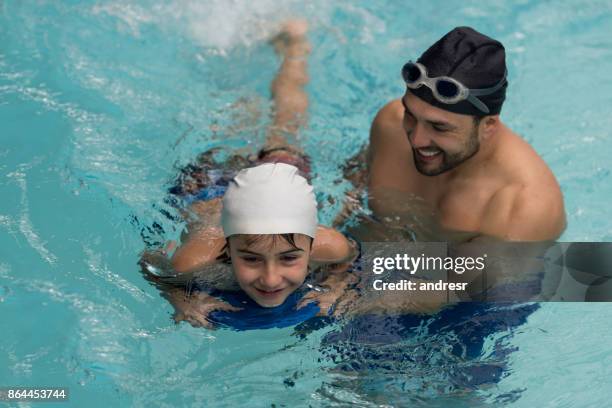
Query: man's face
x=440 y=140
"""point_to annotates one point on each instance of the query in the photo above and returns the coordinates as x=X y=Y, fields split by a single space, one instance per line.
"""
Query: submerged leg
x=290 y=99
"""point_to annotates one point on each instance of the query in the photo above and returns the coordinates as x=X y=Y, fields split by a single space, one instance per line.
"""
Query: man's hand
x=196 y=307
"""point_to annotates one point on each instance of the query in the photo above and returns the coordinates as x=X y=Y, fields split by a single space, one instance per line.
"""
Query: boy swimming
x=261 y=220
x=269 y=235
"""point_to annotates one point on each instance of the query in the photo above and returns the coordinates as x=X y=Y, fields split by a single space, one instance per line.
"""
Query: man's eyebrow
x=436 y=123
x=441 y=124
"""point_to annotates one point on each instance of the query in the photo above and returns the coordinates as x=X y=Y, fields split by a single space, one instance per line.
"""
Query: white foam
x=223 y=25
x=217 y=24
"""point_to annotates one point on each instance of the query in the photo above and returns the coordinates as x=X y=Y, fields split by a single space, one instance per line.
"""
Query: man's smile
x=428 y=153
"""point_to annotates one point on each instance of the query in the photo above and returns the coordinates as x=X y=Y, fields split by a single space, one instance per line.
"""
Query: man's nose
x=270 y=278
x=418 y=137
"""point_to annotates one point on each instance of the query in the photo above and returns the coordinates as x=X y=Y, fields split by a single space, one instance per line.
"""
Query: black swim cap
x=471 y=58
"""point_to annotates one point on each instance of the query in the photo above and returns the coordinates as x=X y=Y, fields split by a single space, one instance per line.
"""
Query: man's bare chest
x=458 y=206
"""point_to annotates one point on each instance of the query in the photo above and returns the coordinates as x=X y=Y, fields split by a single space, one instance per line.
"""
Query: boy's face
x=269 y=269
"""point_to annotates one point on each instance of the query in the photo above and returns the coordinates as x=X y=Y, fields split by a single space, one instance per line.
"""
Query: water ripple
x=25 y=224
x=94 y=262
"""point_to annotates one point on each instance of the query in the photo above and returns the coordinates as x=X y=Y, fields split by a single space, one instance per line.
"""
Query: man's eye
x=408 y=119
x=440 y=129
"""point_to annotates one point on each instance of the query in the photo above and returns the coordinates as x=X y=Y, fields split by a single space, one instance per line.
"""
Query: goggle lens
x=447 y=89
x=412 y=73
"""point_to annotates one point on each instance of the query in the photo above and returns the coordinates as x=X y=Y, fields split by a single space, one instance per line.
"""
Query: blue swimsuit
x=219 y=182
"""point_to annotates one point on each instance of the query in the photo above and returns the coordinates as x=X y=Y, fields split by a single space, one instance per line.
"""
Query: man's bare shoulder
x=524 y=214
x=389 y=152
x=529 y=205
x=388 y=119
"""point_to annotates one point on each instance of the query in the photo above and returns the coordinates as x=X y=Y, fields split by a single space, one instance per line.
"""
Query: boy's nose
x=270 y=279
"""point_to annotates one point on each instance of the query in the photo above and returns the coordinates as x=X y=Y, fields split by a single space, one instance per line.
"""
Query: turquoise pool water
x=101 y=102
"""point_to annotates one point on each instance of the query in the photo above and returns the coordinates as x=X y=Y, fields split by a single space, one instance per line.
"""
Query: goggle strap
x=478 y=103
x=488 y=91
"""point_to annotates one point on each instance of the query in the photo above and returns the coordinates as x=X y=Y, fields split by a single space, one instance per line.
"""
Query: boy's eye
x=250 y=259
x=289 y=258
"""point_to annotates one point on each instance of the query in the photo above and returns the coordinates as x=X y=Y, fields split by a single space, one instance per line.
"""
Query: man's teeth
x=429 y=153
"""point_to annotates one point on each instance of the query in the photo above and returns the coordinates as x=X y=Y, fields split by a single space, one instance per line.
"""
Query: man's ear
x=488 y=126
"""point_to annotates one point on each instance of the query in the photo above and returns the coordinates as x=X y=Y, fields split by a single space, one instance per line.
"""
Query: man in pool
x=442 y=152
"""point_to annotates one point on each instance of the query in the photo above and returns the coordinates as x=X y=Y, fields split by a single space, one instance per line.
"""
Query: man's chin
x=441 y=165
x=429 y=167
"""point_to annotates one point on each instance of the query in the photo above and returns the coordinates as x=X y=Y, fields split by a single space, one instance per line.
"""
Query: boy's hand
x=325 y=300
x=337 y=290
x=196 y=307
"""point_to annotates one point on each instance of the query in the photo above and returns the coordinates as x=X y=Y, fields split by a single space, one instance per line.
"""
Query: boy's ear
x=224 y=256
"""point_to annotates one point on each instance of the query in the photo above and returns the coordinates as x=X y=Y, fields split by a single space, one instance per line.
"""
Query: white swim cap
x=269 y=199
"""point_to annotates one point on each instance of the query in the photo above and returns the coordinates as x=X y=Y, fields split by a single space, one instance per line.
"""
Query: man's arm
x=375 y=165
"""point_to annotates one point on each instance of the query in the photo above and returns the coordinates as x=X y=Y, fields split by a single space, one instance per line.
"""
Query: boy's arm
x=332 y=255
x=202 y=248
x=195 y=307
x=334 y=287
x=332 y=247
x=197 y=259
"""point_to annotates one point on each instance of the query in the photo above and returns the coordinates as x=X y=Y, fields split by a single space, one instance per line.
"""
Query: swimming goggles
x=446 y=89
